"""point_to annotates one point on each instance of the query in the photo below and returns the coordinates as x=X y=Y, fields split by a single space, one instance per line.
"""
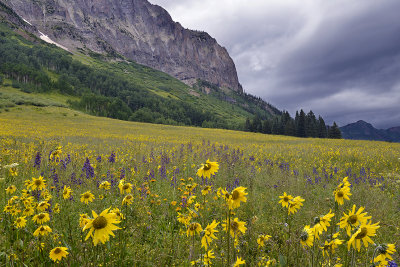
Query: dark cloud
x=339 y=58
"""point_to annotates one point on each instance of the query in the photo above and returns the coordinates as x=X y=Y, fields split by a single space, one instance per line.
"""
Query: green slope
x=105 y=86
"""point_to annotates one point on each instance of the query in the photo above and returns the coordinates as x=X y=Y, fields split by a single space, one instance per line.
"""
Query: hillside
x=362 y=130
x=136 y=30
x=117 y=88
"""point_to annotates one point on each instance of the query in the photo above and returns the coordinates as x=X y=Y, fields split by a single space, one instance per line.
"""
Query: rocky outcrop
x=135 y=29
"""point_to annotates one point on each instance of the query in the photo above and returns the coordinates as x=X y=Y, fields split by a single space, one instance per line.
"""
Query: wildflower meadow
x=78 y=190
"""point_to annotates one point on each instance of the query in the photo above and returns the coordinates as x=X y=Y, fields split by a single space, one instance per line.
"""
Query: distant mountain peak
x=362 y=130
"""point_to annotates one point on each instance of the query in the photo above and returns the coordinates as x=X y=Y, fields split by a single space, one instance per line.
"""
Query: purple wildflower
x=38 y=160
x=88 y=169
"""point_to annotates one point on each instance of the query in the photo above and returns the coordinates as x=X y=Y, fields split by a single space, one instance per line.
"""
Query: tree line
x=303 y=125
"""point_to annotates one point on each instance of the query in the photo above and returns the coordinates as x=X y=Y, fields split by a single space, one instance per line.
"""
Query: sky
x=338 y=58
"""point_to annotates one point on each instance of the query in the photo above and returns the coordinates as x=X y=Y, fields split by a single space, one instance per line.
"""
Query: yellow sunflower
x=105 y=185
x=11 y=189
x=184 y=218
x=383 y=254
x=206 y=190
x=238 y=195
x=285 y=199
x=38 y=183
x=124 y=188
x=262 y=239
x=295 y=204
x=8 y=208
x=101 y=226
x=67 y=192
x=20 y=222
x=209 y=234
x=42 y=206
x=307 y=236
x=83 y=220
x=239 y=262
x=42 y=230
x=41 y=218
x=207 y=169
x=208 y=256
x=353 y=219
x=236 y=227
x=193 y=229
x=342 y=193
x=329 y=247
x=363 y=234
x=56 y=254
x=128 y=200
x=322 y=223
x=87 y=197
x=28 y=211
x=119 y=214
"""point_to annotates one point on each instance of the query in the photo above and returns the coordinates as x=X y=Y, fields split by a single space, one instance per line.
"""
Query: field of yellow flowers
x=78 y=190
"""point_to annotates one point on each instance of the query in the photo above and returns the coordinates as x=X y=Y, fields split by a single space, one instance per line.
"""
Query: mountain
x=362 y=130
x=135 y=29
x=36 y=70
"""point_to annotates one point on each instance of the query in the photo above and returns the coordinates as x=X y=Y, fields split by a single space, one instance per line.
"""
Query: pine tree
x=301 y=124
x=290 y=128
x=257 y=124
x=334 y=132
x=266 y=127
x=322 y=132
x=311 y=125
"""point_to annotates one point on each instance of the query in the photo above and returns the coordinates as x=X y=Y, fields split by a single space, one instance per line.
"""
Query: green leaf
x=282 y=260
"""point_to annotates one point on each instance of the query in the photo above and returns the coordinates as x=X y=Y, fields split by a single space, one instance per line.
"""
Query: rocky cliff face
x=135 y=29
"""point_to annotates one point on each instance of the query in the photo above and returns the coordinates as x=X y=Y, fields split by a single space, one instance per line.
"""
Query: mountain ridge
x=362 y=130
x=136 y=29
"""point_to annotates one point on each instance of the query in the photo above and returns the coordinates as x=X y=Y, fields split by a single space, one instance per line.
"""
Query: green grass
x=14 y=96
x=151 y=235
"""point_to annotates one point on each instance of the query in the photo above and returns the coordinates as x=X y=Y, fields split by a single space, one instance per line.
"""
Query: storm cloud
x=340 y=59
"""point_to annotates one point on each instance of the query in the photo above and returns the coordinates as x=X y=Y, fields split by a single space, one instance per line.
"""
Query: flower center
x=304 y=236
x=352 y=219
x=235 y=195
x=57 y=251
x=38 y=182
x=234 y=226
x=207 y=166
x=126 y=186
x=382 y=249
x=193 y=227
x=87 y=195
x=362 y=234
x=100 y=222
x=340 y=194
x=41 y=216
x=285 y=199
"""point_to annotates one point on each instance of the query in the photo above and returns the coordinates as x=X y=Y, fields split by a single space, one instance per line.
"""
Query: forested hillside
x=120 y=88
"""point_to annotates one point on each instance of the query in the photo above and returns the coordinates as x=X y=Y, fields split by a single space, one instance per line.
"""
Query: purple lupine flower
x=122 y=176
x=112 y=157
x=392 y=264
x=98 y=159
x=63 y=165
x=38 y=160
x=163 y=172
x=88 y=169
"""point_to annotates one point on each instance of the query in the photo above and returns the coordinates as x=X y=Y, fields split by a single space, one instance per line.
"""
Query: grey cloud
x=339 y=58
